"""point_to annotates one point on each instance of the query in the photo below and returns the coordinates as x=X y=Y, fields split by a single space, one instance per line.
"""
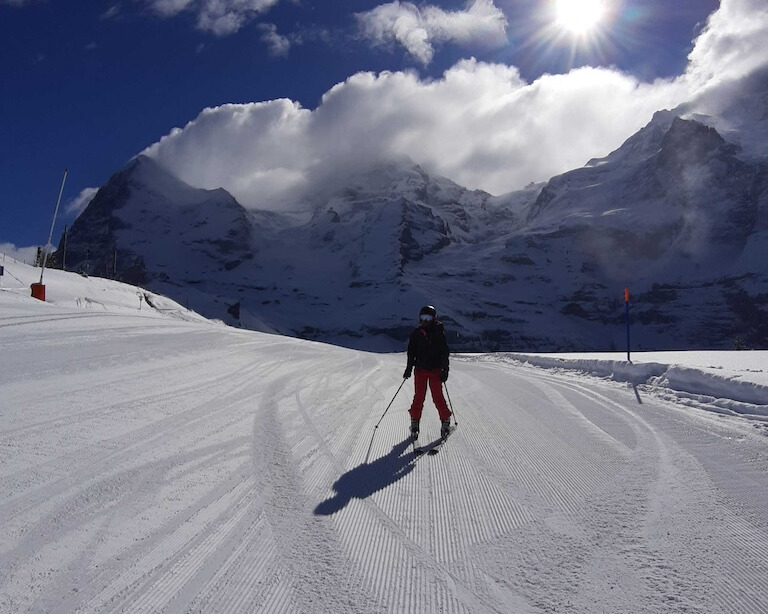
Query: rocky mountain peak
x=688 y=142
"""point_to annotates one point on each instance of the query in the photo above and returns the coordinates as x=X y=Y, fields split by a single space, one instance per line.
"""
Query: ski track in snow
x=158 y=466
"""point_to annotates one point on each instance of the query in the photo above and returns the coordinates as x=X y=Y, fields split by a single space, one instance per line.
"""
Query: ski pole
x=388 y=406
x=380 y=419
x=453 y=412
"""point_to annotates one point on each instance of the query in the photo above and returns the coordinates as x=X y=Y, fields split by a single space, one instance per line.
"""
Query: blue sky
x=87 y=85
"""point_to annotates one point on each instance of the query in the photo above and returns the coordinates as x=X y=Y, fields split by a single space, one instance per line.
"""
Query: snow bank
x=726 y=382
x=71 y=291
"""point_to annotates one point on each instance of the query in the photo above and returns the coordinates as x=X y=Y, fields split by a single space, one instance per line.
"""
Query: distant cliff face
x=146 y=225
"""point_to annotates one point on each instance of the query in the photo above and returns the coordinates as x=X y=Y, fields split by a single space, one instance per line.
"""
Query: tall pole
x=53 y=223
x=626 y=303
x=64 y=255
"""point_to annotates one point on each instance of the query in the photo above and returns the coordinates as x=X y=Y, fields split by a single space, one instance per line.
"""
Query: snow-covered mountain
x=339 y=267
x=155 y=227
x=679 y=214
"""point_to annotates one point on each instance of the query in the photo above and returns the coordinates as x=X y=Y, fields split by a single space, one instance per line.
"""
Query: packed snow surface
x=153 y=461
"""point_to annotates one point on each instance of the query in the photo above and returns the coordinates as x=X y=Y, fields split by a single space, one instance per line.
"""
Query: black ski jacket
x=428 y=348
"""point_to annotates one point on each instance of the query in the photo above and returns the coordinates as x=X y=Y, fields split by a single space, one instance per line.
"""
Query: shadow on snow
x=368 y=478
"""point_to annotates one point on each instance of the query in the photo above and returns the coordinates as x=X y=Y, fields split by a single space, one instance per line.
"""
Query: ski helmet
x=429 y=310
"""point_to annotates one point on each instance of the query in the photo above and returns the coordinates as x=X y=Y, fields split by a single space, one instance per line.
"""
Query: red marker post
x=626 y=303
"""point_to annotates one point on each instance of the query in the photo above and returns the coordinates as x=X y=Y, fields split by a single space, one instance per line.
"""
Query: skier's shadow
x=368 y=478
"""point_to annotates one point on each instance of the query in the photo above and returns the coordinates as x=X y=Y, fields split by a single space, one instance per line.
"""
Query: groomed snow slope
x=155 y=464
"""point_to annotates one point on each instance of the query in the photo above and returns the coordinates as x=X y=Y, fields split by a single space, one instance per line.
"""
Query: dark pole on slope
x=453 y=411
x=390 y=405
x=370 y=445
x=64 y=256
x=626 y=304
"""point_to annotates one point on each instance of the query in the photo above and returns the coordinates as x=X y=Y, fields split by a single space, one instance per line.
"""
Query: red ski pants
x=422 y=377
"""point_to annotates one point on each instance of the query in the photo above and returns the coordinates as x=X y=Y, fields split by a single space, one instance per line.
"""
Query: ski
x=436 y=448
x=431 y=448
x=417 y=450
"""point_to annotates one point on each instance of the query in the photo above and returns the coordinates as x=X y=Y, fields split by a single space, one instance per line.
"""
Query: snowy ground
x=154 y=461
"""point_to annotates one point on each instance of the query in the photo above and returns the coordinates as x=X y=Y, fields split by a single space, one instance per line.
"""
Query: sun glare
x=579 y=16
x=570 y=33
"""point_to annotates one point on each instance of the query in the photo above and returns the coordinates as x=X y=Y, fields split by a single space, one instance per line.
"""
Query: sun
x=565 y=34
x=579 y=17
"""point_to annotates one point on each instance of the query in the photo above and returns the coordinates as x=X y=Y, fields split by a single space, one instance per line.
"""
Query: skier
x=428 y=353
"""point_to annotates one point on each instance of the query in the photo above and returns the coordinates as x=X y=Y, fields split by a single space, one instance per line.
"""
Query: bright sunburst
x=570 y=33
x=580 y=17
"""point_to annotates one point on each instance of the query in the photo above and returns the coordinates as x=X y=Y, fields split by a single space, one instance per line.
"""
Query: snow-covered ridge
x=79 y=293
x=729 y=382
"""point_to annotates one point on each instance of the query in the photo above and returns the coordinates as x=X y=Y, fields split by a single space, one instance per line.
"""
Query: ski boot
x=414 y=429
x=445 y=428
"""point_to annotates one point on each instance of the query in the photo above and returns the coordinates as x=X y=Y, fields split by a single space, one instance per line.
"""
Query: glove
x=407 y=373
x=444 y=375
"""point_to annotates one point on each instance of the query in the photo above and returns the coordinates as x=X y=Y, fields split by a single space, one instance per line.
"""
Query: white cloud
x=112 y=12
x=170 y=8
x=220 y=17
x=419 y=29
x=277 y=44
x=77 y=205
x=27 y=255
x=255 y=150
x=733 y=44
x=481 y=124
